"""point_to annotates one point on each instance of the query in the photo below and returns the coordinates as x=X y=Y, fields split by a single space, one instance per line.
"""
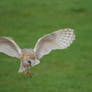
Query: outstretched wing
x=9 y=47
x=57 y=40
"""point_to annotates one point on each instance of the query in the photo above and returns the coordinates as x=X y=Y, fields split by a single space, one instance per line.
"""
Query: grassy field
x=68 y=70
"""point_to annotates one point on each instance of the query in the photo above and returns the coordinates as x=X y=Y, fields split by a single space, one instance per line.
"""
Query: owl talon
x=28 y=74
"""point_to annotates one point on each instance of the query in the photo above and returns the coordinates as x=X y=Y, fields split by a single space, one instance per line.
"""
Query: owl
x=59 y=39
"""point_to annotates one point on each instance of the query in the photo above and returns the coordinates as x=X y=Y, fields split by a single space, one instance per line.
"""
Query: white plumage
x=57 y=40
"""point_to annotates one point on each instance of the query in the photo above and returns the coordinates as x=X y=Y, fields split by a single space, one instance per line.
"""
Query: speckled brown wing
x=9 y=47
x=57 y=40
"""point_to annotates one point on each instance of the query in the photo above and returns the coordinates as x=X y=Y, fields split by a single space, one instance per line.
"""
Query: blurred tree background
x=68 y=70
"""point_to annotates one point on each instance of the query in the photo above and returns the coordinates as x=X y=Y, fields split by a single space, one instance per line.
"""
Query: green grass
x=68 y=70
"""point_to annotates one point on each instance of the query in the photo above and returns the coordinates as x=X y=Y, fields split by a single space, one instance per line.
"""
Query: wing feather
x=60 y=39
x=9 y=47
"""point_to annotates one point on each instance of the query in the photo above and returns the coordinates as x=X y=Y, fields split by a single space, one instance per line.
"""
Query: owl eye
x=29 y=62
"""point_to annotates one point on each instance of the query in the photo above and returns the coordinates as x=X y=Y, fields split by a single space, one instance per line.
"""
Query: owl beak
x=22 y=68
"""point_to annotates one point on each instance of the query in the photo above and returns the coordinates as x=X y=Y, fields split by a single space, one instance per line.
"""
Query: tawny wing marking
x=57 y=40
x=9 y=47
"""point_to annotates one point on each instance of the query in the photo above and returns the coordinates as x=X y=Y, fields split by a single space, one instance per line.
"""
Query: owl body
x=28 y=59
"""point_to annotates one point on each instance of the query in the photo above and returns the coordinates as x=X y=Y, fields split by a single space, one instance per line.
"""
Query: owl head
x=28 y=59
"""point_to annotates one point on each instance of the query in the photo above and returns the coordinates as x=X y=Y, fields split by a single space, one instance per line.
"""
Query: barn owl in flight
x=60 y=39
